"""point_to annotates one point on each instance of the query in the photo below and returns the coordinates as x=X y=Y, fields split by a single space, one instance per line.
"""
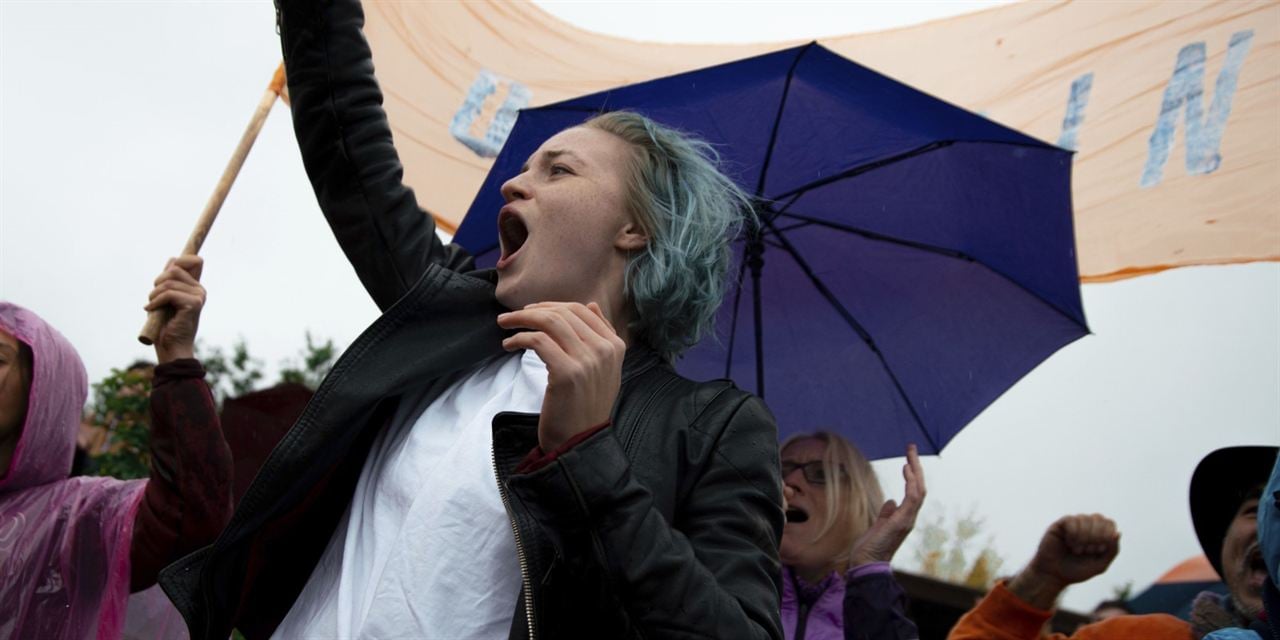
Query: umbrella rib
x=733 y=326
x=872 y=235
x=849 y=173
x=766 y=207
x=777 y=119
x=952 y=253
x=798 y=225
x=863 y=168
x=857 y=327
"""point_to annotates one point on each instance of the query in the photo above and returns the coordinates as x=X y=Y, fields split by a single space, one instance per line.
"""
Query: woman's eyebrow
x=552 y=154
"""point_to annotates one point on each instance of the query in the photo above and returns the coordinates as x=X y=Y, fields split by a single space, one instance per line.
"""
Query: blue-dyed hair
x=690 y=211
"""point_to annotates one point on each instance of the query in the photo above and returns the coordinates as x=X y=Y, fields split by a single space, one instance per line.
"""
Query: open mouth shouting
x=512 y=234
x=1257 y=569
x=796 y=515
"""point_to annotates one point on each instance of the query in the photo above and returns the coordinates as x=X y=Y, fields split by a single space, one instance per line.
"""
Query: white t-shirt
x=425 y=549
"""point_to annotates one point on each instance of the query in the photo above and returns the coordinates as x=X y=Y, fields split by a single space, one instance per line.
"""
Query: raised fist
x=1074 y=549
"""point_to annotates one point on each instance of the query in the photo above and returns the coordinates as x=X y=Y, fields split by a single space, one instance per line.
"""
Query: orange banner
x=1173 y=107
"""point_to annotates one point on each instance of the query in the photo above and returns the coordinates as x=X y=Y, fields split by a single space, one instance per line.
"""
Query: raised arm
x=347 y=149
x=874 y=603
x=188 y=496
x=1074 y=549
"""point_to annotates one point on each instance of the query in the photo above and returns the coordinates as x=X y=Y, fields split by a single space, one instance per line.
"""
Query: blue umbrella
x=912 y=261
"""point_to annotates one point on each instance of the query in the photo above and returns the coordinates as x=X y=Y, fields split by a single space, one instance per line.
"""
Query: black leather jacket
x=664 y=525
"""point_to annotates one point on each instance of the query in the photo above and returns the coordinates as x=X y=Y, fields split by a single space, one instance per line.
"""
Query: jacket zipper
x=802 y=610
x=524 y=563
x=802 y=617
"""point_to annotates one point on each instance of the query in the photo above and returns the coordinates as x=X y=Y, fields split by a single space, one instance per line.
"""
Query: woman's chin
x=510 y=294
x=791 y=551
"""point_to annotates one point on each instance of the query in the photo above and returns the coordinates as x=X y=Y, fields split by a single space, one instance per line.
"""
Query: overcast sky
x=116 y=119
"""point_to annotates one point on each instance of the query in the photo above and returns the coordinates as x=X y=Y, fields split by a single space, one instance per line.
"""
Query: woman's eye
x=557 y=169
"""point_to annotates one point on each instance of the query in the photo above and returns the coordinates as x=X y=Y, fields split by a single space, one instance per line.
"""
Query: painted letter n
x=1185 y=92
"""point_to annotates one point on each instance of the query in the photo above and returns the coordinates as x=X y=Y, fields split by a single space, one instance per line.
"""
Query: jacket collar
x=640 y=358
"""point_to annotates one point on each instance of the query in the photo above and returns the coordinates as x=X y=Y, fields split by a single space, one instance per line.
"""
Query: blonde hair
x=852 y=488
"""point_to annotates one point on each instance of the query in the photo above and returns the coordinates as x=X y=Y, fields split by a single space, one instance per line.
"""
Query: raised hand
x=1074 y=549
x=178 y=288
x=894 y=522
x=583 y=355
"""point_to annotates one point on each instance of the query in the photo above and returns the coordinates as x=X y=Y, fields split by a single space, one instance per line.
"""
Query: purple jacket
x=867 y=604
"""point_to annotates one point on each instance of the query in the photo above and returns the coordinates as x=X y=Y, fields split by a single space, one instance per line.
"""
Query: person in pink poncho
x=72 y=549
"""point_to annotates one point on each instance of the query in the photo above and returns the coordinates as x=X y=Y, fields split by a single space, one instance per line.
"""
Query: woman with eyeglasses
x=838 y=540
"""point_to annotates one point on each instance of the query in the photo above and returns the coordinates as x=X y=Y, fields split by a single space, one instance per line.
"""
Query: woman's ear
x=631 y=238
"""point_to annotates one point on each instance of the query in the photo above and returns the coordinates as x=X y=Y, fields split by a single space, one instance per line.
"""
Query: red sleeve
x=188 y=496
x=536 y=459
x=1003 y=616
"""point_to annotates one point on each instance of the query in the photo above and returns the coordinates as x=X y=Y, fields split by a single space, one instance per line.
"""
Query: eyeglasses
x=812 y=471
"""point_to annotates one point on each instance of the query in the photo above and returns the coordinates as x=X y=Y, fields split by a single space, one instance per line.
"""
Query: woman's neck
x=815 y=573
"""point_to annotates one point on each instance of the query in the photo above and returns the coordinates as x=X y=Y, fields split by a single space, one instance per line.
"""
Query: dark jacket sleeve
x=188 y=496
x=347 y=150
x=875 y=608
x=714 y=572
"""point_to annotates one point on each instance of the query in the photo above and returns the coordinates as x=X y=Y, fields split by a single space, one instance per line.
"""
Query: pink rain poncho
x=64 y=542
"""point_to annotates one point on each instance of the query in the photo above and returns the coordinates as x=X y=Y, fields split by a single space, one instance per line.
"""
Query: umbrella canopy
x=911 y=262
x=1174 y=592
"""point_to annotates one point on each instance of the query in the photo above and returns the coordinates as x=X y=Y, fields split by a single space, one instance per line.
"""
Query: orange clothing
x=1002 y=616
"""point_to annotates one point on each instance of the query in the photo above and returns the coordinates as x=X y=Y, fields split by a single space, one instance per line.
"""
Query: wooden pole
x=156 y=318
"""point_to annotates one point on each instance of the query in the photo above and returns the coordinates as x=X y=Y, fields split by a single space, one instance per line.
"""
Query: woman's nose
x=515 y=189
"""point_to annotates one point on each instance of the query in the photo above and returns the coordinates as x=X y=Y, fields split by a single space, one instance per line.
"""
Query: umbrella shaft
x=755 y=260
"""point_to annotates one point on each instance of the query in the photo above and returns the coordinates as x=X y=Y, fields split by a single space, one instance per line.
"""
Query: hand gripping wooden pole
x=156 y=318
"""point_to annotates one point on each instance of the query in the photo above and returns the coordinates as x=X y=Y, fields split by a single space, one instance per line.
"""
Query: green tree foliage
x=122 y=400
x=121 y=403
x=230 y=375
x=317 y=360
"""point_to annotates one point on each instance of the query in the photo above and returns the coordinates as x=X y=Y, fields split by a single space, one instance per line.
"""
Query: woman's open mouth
x=796 y=515
x=512 y=234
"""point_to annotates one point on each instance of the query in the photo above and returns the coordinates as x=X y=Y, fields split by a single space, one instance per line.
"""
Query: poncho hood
x=55 y=401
